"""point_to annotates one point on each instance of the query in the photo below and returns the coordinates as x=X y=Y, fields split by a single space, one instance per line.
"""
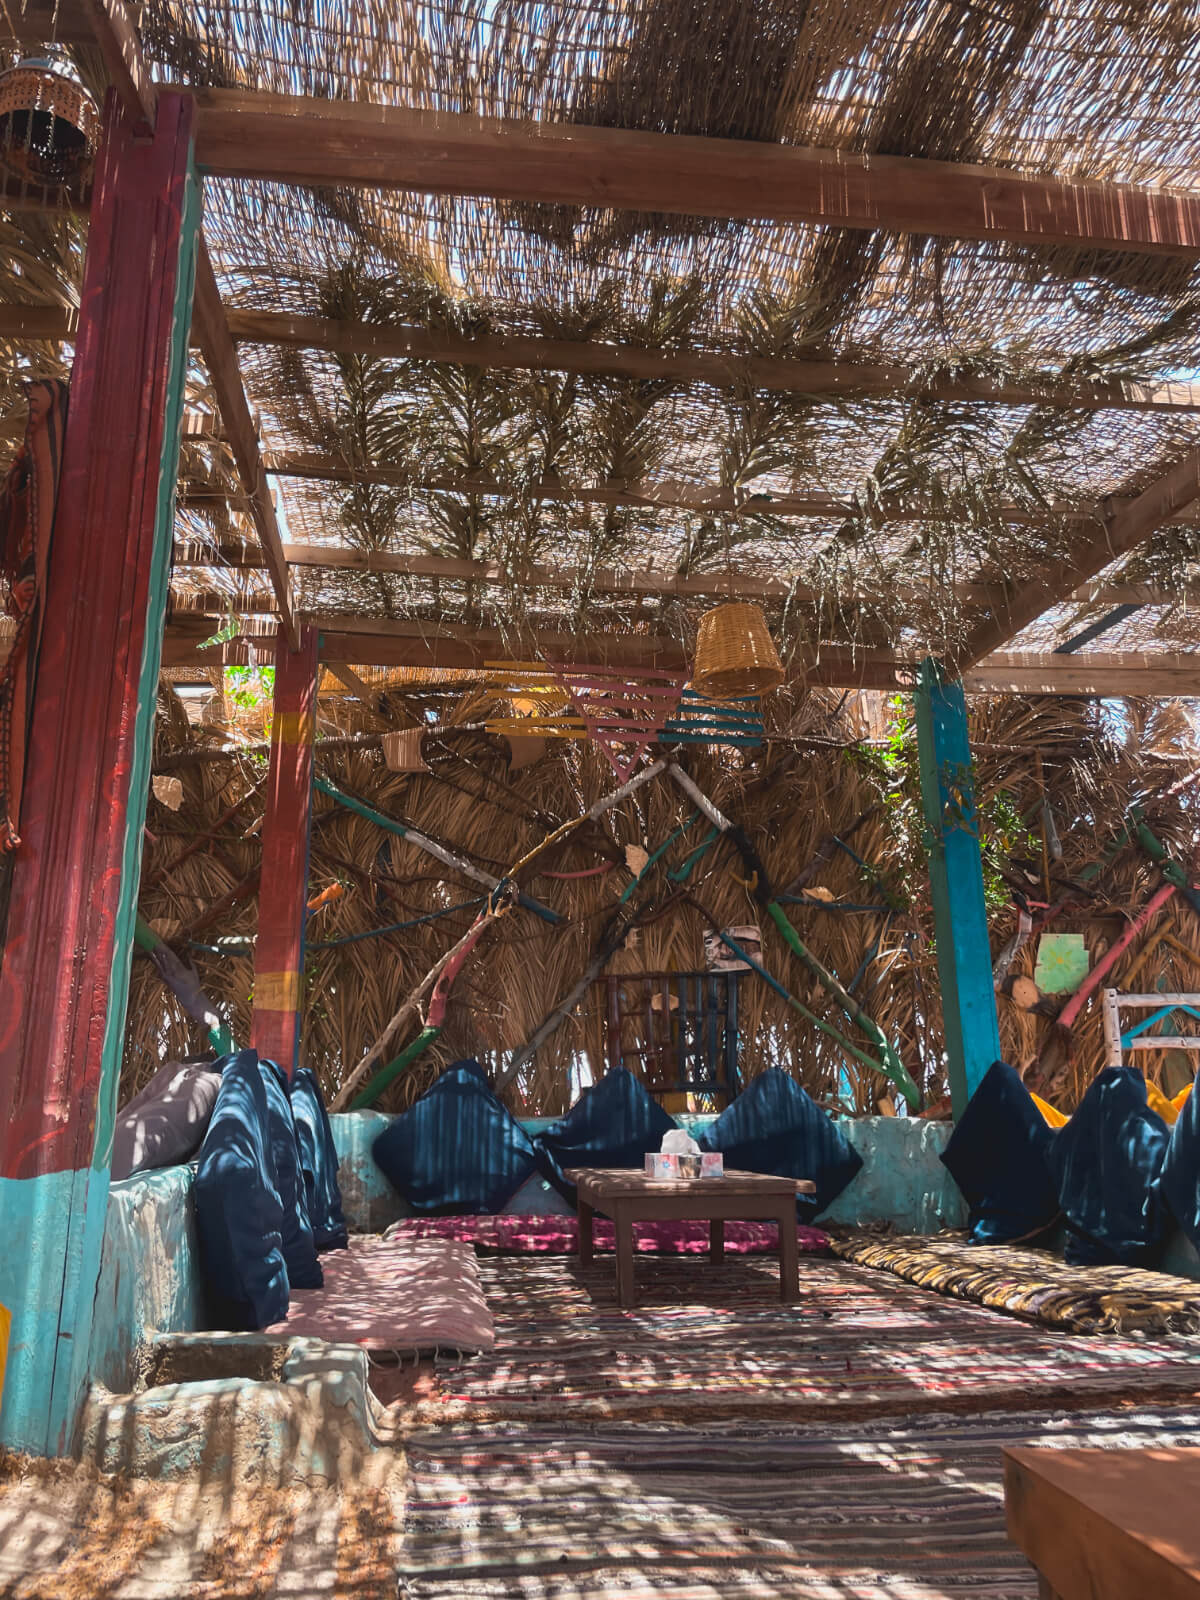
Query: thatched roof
x=930 y=490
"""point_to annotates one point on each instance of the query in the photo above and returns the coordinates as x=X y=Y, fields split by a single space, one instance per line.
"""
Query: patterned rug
x=713 y=1342
x=559 y=1235
x=1035 y=1284
x=570 y=1513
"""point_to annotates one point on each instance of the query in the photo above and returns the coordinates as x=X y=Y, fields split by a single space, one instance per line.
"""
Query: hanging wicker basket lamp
x=735 y=654
x=49 y=125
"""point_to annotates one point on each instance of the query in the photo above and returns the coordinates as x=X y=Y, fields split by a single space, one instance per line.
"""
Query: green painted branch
x=1170 y=869
x=893 y=1067
x=392 y=1071
x=650 y=860
x=796 y=1005
x=683 y=873
x=184 y=985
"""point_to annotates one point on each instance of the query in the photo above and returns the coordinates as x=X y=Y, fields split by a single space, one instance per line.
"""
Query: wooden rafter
x=208 y=320
x=606 y=580
x=597 y=358
x=1130 y=523
x=289 y=139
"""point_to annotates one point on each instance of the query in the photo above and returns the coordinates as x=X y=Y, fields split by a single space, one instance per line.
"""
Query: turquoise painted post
x=956 y=878
x=64 y=969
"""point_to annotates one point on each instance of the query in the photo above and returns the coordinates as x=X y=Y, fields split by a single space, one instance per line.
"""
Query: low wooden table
x=628 y=1196
x=1107 y=1524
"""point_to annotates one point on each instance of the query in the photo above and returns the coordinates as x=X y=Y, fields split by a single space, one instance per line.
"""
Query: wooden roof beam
x=595 y=357
x=208 y=321
x=1129 y=523
x=291 y=139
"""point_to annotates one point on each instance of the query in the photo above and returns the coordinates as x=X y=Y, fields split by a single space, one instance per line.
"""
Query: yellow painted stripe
x=294 y=727
x=276 y=991
x=5 y=1325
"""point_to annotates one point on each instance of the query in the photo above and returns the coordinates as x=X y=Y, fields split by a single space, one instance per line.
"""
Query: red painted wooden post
x=283 y=894
x=65 y=966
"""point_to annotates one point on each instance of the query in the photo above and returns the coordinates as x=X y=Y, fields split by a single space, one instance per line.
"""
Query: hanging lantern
x=48 y=124
x=735 y=654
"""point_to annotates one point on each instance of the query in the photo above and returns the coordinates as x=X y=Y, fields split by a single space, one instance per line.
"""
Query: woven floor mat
x=1035 y=1284
x=877 y=1513
x=711 y=1342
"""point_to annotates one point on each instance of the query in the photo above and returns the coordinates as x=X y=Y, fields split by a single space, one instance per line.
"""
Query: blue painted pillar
x=956 y=878
x=64 y=966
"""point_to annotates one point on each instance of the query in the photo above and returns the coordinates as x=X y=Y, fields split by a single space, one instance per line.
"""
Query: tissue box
x=662 y=1166
x=712 y=1164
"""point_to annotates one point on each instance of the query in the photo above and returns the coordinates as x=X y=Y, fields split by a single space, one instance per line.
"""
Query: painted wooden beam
x=283 y=894
x=291 y=139
x=221 y=360
x=1129 y=523
x=65 y=967
x=969 y=1023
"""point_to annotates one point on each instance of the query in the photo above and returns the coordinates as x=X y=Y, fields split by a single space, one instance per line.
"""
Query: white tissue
x=678 y=1142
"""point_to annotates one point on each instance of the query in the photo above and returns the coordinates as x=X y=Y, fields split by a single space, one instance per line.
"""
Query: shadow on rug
x=712 y=1342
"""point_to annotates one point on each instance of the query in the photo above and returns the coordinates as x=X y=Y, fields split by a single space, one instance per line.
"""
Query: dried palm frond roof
x=1073 y=87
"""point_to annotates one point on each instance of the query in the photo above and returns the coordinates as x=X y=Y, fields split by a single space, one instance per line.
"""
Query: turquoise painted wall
x=902 y=1180
x=149 y=1271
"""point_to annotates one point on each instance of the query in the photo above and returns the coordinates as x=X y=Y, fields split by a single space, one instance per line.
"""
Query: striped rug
x=911 y=1512
x=709 y=1342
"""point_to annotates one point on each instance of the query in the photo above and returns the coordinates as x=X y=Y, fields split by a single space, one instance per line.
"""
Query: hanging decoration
x=699 y=719
x=49 y=125
x=735 y=654
x=623 y=710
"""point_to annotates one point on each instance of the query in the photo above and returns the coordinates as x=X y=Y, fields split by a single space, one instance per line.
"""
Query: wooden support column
x=956 y=878
x=283 y=895
x=64 y=972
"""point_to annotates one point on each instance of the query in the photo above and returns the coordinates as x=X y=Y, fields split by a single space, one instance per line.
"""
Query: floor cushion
x=774 y=1126
x=165 y=1123
x=410 y=1296
x=613 y=1124
x=239 y=1215
x=1107 y=1162
x=299 y=1246
x=318 y=1161
x=458 y=1149
x=513 y=1234
x=1034 y=1284
x=999 y=1156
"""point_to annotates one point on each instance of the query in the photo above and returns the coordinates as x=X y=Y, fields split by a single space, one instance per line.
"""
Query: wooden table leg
x=716 y=1238
x=789 y=1255
x=586 y=1245
x=623 y=1224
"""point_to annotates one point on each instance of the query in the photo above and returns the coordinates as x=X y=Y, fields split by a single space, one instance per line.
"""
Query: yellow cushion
x=1056 y=1119
x=1157 y=1101
x=1180 y=1100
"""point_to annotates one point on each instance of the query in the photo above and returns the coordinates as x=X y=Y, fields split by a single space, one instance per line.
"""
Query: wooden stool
x=1107 y=1524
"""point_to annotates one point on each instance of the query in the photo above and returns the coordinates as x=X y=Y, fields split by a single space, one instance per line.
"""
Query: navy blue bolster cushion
x=239 y=1215
x=999 y=1156
x=774 y=1126
x=458 y=1151
x=614 y=1124
x=318 y=1162
x=1107 y=1161
x=299 y=1246
x=1179 y=1181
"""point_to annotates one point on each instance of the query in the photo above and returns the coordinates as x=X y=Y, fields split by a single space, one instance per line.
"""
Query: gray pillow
x=164 y=1124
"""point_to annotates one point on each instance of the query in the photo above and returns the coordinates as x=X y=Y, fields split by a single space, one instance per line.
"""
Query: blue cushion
x=1107 y=1161
x=1179 y=1181
x=239 y=1216
x=774 y=1126
x=614 y=1124
x=318 y=1162
x=299 y=1247
x=999 y=1156
x=458 y=1151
